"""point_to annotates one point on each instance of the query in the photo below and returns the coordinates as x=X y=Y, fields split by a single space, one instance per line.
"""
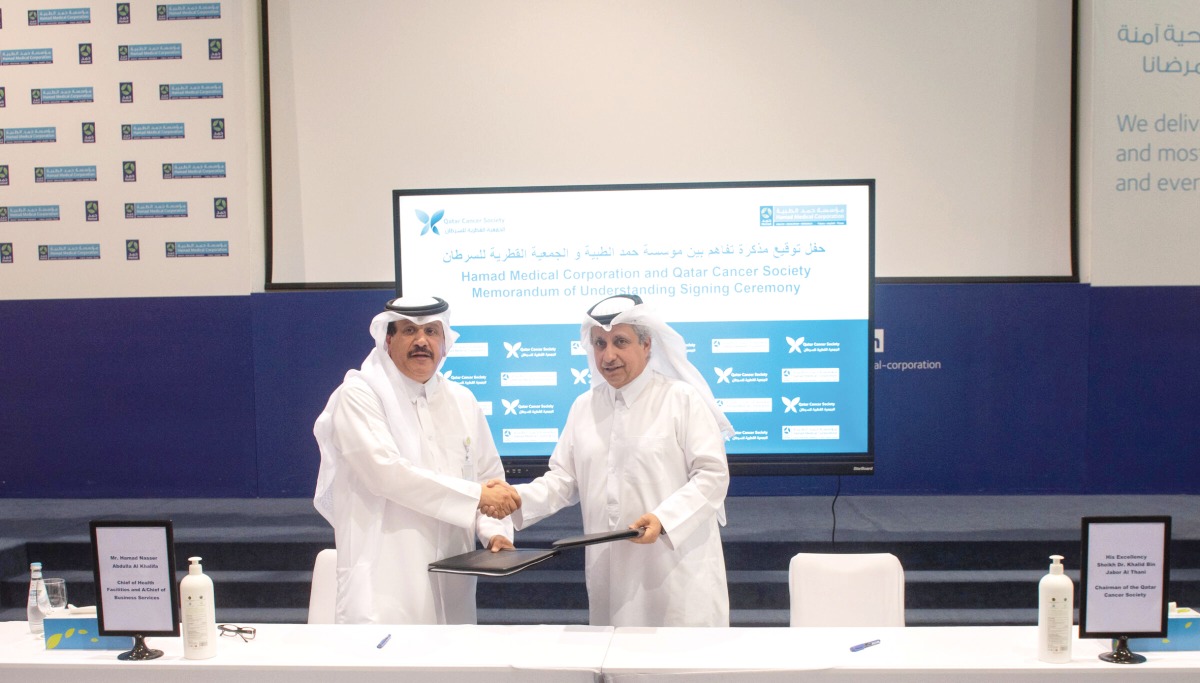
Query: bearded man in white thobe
x=644 y=448
x=404 y=452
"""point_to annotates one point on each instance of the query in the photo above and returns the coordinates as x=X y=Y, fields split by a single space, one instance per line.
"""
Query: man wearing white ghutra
x=643 y=449
x=404 y=454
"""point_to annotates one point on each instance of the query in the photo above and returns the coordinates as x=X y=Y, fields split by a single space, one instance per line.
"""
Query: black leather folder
x=487 y=563
x=599 y=537
x=484 y=562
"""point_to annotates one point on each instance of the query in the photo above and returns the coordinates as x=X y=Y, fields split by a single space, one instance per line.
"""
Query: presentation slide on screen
x=770 y=286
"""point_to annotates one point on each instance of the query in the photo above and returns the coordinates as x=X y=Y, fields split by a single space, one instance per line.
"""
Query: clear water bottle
x=39 y=602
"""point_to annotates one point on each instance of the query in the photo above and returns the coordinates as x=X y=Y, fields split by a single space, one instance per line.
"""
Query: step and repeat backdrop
x=123 y=160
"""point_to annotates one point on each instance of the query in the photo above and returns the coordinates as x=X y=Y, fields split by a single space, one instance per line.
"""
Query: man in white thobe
x=404 y=452
x=645 y=449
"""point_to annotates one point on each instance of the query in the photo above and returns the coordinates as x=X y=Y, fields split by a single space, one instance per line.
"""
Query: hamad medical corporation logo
x=429 y=223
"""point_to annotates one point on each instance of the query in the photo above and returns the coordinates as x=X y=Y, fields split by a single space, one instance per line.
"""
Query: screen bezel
x=768 y=464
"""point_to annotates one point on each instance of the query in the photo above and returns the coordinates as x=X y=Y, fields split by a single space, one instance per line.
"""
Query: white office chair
x=322 y=601
x=846 y=589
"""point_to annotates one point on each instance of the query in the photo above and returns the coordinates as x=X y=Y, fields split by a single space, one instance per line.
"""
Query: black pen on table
x=384 y=641
x=863 y=646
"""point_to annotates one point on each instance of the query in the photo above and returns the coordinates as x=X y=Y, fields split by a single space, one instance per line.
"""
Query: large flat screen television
x=770 y=284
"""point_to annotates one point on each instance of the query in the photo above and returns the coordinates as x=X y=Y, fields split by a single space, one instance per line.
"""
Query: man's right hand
x=498 y=499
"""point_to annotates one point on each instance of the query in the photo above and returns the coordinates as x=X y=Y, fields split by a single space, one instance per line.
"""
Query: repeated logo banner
x=52 y=17
x=785 y=386
x=76 y=217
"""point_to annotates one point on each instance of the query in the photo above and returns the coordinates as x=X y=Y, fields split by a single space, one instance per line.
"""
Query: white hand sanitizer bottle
x=198 y=613
x=1056 y=614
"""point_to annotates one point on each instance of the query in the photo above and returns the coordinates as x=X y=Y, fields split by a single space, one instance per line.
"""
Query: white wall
x=961 y=110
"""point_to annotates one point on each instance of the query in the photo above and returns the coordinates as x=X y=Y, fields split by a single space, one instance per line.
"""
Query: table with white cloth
x=904 y=654
x=297 y=653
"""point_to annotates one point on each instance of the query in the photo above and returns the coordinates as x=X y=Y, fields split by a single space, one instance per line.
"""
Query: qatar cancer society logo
x=429 y=223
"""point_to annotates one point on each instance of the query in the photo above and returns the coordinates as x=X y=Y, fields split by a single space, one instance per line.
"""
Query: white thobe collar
x=413 y=390
x=631 y=391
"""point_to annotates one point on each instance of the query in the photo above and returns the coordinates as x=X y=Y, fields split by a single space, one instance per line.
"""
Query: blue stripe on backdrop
x=980 y=389
x=127 y=398
x=1144 y=392
x=993 y=396
x=304 y=344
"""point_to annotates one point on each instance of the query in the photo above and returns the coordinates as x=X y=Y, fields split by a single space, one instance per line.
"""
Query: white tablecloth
x=981 y=653
x=296 y=653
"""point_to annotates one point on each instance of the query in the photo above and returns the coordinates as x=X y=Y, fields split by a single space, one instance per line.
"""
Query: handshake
x=498 y=499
